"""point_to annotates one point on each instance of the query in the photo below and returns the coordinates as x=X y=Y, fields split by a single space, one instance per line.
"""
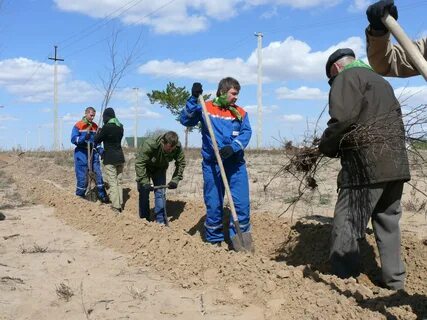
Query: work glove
x=196 y=90
x=377 y=10
x=147 y=187
x=226 y=152
x=172 y=185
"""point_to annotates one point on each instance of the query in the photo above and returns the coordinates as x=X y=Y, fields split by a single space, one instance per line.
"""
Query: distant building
x=128 y=142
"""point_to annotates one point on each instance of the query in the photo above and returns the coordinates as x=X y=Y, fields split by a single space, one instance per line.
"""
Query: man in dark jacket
x=366 y=131
x=152 y=161
x=111 y=135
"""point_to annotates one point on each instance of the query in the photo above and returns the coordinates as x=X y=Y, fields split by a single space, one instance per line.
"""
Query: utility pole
x=27 y=132
x=259 y=35
x=61 y=124
x=55 y=100
x=135 y=134
x=39 y=137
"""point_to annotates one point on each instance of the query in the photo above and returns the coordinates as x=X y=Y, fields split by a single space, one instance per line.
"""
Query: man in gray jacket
x=386 y=58
x=366 y=132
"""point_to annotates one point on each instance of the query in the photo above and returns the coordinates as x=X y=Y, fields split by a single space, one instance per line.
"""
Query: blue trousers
x=213 y=192
x=158 y=178
x=81 y=169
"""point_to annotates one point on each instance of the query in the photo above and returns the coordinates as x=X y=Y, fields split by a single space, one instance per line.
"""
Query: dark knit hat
x=334 y=57
x=108 y=114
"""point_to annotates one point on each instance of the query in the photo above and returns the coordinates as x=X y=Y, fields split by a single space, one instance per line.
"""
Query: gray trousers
x=380 y=202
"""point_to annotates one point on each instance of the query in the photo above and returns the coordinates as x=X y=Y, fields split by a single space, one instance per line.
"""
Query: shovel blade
x=91 y=195
x=243 y=243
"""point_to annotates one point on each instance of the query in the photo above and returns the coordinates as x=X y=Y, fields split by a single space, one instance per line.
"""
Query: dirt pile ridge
x=287 y=276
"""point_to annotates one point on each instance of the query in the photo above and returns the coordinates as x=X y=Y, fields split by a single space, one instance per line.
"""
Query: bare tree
x=119 y=65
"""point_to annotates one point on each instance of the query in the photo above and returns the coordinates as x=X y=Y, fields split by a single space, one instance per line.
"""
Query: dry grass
x=35 y=249
x=137 y=294
x=64 y=292
x=414 y=203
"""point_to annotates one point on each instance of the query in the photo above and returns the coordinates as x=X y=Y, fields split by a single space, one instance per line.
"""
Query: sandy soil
x=287 y=277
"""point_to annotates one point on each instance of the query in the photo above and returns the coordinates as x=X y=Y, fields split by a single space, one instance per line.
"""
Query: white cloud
x=411 y=97
x=143 y=113
x=292 y=118
x=359 y=5
x=302 y=93
x=180 y=16
x=32 y=81
x=290 y=59
x=7 y=118
x=253 y=109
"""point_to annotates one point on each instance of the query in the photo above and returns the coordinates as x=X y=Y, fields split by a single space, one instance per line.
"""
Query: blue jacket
x=80 y=136
x=227 y=128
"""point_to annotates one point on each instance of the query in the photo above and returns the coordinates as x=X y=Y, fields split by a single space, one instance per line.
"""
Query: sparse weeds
x=64 y=291
x=414 y=203
x=35 y=249
x=136 y=293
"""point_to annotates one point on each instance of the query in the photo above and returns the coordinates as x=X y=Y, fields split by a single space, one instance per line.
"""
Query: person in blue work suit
x=232 y=132
x=82 y=136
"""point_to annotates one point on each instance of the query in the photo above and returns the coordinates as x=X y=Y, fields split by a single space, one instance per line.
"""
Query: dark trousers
x=380 y=202
x=158 y=178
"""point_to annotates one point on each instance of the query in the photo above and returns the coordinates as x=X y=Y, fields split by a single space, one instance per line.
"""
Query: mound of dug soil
x=287 y=276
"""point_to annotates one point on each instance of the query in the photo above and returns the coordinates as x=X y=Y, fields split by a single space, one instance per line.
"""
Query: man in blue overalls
x=82 y=136
x=232 y=131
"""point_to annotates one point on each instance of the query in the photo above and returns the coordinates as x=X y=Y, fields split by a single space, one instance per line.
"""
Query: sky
x=179 y=41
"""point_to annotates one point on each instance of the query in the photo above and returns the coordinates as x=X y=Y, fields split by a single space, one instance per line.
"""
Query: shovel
x=164 y=187
x=241 y=241
x=91 y=193
x=414 y=54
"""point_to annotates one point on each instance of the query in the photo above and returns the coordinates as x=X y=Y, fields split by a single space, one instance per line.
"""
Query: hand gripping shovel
x=241 y=241
x=164 y=187
x=91 y=193
x=414 y=54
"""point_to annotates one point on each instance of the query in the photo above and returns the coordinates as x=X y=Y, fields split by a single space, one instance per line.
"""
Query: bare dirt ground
x=118 y=266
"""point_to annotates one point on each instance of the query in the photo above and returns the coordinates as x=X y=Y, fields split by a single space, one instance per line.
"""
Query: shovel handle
x=414 y=54
x=221 y=167
x=163 y=186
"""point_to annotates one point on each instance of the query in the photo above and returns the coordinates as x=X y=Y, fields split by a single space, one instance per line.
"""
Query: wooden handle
x=413 y=53
x=218 y=159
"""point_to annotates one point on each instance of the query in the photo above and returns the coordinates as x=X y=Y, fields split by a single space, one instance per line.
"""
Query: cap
x=334 y=57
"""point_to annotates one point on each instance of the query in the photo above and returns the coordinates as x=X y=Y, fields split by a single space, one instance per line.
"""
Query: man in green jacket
x=152 y=162
x=366 y=132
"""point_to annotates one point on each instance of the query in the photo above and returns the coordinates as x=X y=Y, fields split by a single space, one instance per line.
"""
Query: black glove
x=226 y=152
x=147 y=187
x=172 y=185
x=196 y=89
x=377 y=10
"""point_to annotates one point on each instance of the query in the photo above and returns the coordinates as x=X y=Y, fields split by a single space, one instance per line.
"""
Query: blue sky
x=182 y=41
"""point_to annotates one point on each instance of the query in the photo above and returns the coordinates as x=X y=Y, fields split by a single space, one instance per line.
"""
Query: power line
x=96 y=26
